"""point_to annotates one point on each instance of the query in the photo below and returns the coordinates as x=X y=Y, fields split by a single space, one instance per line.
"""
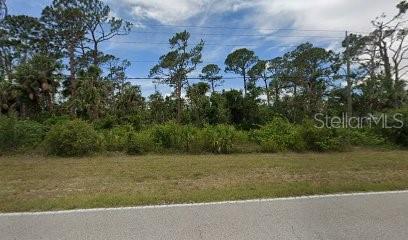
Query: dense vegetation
x=64 y=137
x=59 y=92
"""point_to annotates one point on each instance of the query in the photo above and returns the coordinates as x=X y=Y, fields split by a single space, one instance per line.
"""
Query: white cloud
x=311 y=14
x=321 y=14
x=177 y=11
x=165 y=11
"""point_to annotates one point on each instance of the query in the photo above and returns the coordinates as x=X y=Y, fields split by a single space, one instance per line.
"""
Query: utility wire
x=205 y=44
x=246 y=35
x=191 y=78
x=248 y=28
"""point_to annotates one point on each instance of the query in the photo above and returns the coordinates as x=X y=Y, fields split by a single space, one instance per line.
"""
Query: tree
x=117 y=73
x=38 y=80
x=93 y=94
x=129 y=104
x=199 y=103
x=158 y=112
x=65 y=20
x=278 y=71
x=242 y=110
x=305 y=75
x=21 y=37
x=239 y=62
x=173 y=68
x=260 y=71
x=210 y=74
x=218 y=112
x=383 y=53
x=9 y=94
x=100 y=27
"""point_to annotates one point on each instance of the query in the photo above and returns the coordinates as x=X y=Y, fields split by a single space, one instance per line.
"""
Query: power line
x=190 y=78
x=246 y=35
x=206 y=44
x=166 y=43
x=246 y=28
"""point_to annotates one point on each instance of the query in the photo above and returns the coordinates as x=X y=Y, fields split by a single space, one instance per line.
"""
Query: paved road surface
x=358 y=216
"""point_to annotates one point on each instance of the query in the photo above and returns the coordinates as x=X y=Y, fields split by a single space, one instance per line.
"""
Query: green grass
x=37 y=183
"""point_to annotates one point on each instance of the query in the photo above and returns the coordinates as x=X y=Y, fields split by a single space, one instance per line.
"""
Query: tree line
x=54 y=65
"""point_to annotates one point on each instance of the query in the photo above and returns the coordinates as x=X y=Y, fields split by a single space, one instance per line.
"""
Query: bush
x=72 y=138
x=215 y=139
x=139 y=143
x=323 y=139
x=19 y=135
x=116 y=139
x=219 y=138
x=107 y=122
x=362 y=137
x=192 y=140
x=279 y=135
x=168 y=136
x=51 y=121
x=397 y=131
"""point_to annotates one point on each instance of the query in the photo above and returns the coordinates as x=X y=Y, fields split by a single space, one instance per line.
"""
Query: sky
x=269 y=27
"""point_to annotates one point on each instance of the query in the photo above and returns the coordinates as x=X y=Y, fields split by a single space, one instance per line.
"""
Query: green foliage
x=362 y=137
x=297 y=85
x=280 y=135
x=189 y=139
x=192 y=139
x=168 y=135
x=211 y=74
x=116 y=139
x=219 y=138
x=323 y=139
x=20 y=135
x=139 y=143
x=51 y=121
x=72 y=138
x=174 y=67
x=239 y=62
x=397 y=127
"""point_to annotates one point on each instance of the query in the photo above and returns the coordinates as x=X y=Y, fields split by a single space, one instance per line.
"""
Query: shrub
x=192 y=140
x=219 y=138
x=361 y=137
x=72 y=138
x=116 y=139
x=51 y=121
x=18 y=135
x=107 y=122
x=139 y=143
x=397 y=130
x=279 y=135
x=168 y=135
x=323 y=139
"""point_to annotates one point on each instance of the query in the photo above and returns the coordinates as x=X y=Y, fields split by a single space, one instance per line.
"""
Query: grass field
x=37 y=183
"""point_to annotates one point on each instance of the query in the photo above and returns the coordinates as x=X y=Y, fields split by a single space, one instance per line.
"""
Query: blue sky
x=221 y=24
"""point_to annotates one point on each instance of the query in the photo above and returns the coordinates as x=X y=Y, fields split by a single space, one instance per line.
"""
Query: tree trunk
x=387 y=70
x=348 y=79
x=178 y=93
x=72 y=77
x=268 y=97
x=50 y=104
x=95 y=54
x=276 y=94
x=245 y=82
x=72 y=69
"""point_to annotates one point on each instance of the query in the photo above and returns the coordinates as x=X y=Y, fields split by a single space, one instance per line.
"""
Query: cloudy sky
x=269 y=27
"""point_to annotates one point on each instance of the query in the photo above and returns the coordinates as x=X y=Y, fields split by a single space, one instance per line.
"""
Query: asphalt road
x=360 y=216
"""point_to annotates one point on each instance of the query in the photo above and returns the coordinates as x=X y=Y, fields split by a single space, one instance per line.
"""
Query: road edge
x=202 y=204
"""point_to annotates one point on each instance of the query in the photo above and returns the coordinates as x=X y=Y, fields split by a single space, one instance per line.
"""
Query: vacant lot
x=36 y=183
